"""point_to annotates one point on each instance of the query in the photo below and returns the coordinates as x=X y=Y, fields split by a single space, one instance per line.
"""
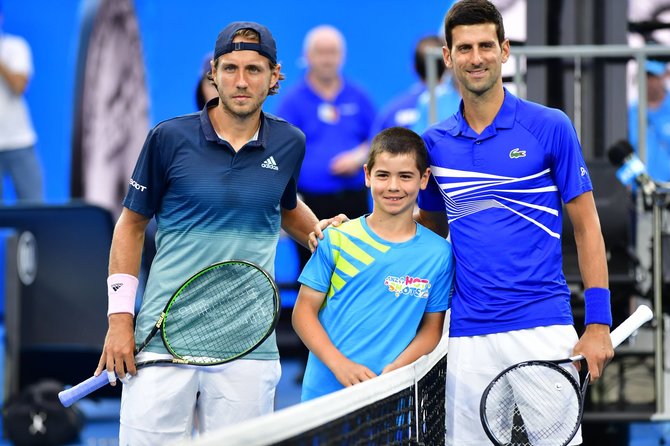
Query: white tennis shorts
x=163 y=404
x=474 y=361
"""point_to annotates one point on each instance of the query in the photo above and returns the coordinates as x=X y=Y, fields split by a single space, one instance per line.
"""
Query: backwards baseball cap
x=654 y=67
x=267 y=46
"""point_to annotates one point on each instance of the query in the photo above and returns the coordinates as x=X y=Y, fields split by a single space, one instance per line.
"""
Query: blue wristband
x=598 y=310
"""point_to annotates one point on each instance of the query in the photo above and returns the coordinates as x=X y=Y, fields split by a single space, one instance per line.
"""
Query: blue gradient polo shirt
x=502 y=193
x=211 y=203
x=376 y=294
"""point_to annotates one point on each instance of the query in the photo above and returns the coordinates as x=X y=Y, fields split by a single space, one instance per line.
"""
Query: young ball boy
x=375 y=291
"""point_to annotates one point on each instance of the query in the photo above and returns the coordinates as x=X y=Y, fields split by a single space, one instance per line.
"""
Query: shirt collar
x=504 y=118
x=259 y=139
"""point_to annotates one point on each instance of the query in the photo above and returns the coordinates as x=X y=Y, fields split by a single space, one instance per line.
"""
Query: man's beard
x=244 y=112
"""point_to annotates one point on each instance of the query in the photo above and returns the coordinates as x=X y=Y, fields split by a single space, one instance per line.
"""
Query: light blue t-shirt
x=376 y=294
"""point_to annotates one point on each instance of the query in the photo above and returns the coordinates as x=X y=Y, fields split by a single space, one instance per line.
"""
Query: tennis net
x=403 y=407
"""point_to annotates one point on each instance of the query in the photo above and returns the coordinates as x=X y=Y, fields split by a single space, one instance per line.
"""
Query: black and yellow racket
x=220 y=314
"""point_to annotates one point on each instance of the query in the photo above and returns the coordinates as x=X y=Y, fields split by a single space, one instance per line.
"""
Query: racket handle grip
x=626 y=328
x=70 y=396
x=633 y=322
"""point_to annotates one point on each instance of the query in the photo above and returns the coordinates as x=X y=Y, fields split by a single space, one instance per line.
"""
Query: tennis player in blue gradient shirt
x=220 y=184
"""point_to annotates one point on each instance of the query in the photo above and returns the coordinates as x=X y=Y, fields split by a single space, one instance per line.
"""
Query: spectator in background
x=205 y=89
x=402 y=110
x=17 y=136
x=335 y=116
x=447 y=101
x=658 y=122
x=657 y=160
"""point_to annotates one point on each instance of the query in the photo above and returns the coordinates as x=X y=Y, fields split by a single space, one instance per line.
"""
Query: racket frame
x=640 y=316
x=580 y=391
x=74 y=394
x=159 y=325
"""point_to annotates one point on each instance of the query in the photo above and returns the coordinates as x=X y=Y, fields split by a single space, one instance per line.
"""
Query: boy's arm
x=425 y=341
x=306 y=323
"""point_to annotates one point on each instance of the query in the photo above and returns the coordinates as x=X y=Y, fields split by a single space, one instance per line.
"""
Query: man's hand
x=118 y=352
x=317 y=234
x=350 y=162
x=596 y=347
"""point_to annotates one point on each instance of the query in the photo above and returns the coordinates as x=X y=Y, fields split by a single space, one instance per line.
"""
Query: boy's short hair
x=398 y=141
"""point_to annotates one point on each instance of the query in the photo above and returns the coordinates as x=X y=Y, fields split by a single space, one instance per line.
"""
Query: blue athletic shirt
x=502 y=193
x=376 y=294
x=211 y=203
x=400 y=112
x=330 y=127
x=658 y=138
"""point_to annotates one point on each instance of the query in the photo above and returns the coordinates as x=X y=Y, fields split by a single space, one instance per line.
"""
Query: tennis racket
x=540 y=402
x=219 y=314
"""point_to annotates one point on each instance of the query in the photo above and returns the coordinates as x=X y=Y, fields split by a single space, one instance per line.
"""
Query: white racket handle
x=626 y=328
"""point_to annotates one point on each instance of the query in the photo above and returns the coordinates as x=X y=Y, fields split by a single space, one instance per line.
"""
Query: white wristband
x=121 y=290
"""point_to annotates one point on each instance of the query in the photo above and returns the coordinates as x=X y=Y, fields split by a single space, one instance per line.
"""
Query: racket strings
x=533 y=405
x=221 y=314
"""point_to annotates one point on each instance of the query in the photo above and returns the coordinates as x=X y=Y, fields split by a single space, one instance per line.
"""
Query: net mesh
x=404 y=407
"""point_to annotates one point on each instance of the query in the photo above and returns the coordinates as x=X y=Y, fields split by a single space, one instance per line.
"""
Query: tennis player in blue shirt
x=501 y=168
x=374 y=294
x=221 y=183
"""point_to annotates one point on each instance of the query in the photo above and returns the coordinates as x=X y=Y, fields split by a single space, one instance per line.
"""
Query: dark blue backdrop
x=176 y=35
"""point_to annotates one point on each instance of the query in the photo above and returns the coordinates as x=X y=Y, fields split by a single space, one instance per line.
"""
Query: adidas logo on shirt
x=270 y=164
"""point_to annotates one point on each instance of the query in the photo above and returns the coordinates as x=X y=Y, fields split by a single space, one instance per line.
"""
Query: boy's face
x=395 y=182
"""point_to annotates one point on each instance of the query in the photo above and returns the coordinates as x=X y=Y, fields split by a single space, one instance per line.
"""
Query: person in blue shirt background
x=657 y=160
x=658 y=122
x=375 y=292
x=335 y=114
x=402 y=111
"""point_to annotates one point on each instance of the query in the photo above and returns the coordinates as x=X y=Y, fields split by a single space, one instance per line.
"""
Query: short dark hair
x=473 y=12
x=398 y=141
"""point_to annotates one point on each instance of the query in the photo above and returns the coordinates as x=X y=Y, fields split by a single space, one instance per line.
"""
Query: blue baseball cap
x=655 y=68
x=266 y=47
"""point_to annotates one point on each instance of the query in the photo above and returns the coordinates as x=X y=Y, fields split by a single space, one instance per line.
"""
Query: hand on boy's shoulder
x=317 y=234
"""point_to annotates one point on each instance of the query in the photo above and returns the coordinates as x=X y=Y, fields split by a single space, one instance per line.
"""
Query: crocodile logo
x=517 y=153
